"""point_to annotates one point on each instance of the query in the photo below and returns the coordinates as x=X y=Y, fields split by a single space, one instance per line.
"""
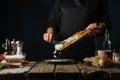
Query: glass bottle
x=107 y=45
x=14 y=47
x=8 y=47
x=107 y=42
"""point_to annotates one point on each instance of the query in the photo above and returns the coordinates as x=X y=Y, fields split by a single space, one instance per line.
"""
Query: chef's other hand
x=49 y=35
x=93 y=29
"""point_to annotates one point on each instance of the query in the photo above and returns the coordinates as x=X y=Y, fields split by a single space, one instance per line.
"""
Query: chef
x=70 y=16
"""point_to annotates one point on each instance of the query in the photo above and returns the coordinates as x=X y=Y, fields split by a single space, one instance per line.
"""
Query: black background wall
x=26 y=20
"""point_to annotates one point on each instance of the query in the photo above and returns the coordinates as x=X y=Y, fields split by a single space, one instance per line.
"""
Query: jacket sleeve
x=54 y=18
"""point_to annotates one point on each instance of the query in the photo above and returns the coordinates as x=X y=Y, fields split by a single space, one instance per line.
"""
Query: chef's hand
x=49 y=35
x=93 y=29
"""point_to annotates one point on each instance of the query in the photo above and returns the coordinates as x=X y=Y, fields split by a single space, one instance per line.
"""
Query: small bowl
x=102 y=53
x=14 y=58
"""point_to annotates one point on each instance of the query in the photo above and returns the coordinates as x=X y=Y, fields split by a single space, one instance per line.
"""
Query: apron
x=74 y=17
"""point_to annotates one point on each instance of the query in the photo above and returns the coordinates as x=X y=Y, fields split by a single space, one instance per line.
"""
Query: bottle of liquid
x=107 y=42
x=8 y=47
x=107 y=46
x=14 y=47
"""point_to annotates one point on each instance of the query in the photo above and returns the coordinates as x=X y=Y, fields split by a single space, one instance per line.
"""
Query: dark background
x=25 y=20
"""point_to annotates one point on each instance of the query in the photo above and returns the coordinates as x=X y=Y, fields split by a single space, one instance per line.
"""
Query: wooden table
x=49 y=71
x=46 y=71
x=16 y=73
x=76 y=71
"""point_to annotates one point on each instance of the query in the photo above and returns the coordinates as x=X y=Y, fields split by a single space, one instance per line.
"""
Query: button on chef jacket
x=70 y=16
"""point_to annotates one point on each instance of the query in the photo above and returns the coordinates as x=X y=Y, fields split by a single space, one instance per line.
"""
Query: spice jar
x=116 y=56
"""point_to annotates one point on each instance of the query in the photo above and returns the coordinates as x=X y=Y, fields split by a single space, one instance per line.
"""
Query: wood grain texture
x=67 y=72
x=42 y=71
x=16 y=73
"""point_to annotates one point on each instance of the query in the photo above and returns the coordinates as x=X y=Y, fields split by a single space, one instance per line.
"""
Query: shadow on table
x=98 y=75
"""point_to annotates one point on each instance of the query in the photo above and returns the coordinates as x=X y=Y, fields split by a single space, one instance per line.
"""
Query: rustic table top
x=72 y=71
x=16 y=73
x=51 y=71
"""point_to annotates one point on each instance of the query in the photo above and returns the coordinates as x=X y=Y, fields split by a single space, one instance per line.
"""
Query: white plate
x=60 y=60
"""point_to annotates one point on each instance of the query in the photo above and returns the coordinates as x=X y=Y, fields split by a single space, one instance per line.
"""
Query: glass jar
x=116 y=56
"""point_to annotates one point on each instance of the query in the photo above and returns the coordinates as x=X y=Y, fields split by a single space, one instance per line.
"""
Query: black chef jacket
x=70 y=16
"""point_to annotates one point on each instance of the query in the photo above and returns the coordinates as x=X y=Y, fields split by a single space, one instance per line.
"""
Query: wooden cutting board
x=77 y=37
